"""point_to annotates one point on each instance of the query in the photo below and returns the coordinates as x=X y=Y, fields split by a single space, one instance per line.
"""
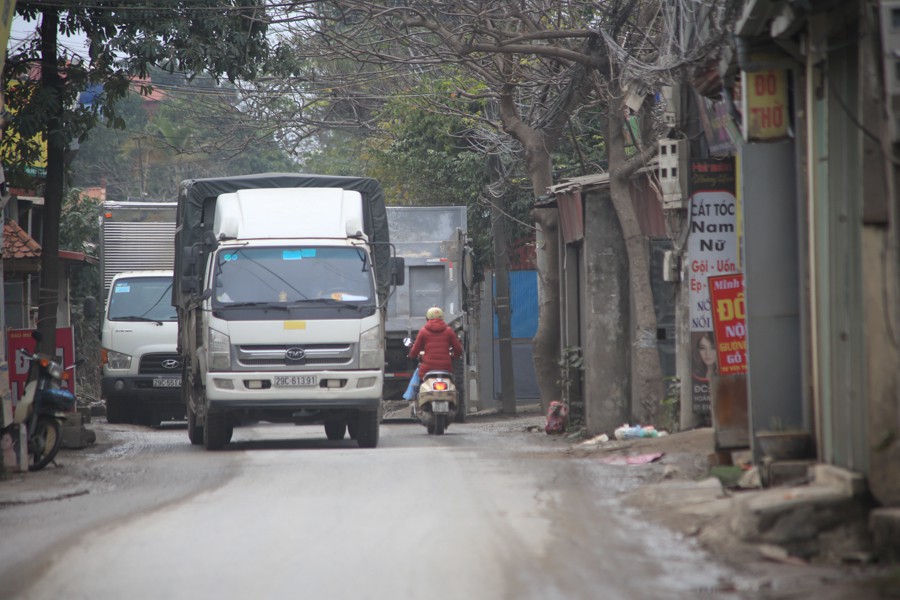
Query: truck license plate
x=167 y=382
x=440 y=407
x=296 y=380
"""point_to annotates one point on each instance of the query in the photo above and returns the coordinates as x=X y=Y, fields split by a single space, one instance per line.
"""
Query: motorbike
x=436 y=404
x=43 y=407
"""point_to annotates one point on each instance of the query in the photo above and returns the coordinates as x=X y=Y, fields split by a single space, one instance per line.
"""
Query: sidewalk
x=816 y=534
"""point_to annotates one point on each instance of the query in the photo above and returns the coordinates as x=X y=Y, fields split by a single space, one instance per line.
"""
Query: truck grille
x=309 y=356
x=164 y=363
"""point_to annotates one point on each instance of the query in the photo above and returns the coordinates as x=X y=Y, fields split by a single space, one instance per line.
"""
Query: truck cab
x=141 y=372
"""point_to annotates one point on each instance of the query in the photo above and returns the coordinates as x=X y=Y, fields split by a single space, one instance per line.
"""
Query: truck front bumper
x=147 y=388
x=328 y=390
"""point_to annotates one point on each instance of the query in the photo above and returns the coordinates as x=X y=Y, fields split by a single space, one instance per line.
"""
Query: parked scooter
x=43 y=407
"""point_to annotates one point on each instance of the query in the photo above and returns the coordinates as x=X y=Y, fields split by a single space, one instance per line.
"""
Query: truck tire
x=150 y=416
x=334 y=430
x=195 y=432
x=115 y=412
x=191 y=394
x=216 y=432
x=368 y=425
x=459 y=380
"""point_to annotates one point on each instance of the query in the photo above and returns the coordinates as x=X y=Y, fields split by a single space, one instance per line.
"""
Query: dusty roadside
x=681 y=492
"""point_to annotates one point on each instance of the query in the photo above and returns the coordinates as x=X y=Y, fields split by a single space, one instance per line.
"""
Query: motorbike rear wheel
x=440 y=424
x=43 y=442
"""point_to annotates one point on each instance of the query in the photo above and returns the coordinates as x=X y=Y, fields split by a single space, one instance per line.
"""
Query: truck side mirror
x=188 y=284
x=90 y=307
x=398 y=270
x=189 y=256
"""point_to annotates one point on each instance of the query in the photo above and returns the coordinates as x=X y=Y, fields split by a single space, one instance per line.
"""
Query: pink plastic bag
x=557 y=418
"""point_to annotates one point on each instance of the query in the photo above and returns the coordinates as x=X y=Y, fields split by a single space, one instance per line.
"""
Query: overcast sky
x=21 y=31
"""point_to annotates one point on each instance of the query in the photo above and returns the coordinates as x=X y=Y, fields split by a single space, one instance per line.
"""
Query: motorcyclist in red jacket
x=438 y=341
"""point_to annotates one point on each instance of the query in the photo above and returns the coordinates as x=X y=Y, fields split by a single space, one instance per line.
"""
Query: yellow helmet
x=434 y=313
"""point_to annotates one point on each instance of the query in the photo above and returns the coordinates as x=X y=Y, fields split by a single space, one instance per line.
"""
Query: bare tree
x=522 y=68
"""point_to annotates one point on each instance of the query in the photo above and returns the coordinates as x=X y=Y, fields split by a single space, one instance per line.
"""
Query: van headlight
x=371 y=349
x=116 y=360
x=219 y=351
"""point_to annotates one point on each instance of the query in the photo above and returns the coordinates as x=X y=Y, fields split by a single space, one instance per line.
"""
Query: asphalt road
x=487 y=510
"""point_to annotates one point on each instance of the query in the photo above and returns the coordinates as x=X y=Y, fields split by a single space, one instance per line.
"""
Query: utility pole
x=501 y=294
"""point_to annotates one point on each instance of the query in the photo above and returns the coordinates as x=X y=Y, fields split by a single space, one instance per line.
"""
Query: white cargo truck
x=141 y=370
x=281 y=287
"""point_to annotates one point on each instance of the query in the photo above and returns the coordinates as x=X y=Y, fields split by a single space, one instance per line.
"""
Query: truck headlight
x=371 y=350
x=115 y=360
x=219 y=351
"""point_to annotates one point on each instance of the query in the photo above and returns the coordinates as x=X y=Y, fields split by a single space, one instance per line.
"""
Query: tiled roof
x=17 y=243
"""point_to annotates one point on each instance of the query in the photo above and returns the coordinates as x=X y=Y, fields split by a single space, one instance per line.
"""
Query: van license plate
x=167 y=382
x=296 y=380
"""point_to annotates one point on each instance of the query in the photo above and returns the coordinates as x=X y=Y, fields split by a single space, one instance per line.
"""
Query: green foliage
x=670 y=416
x=177 y=138
x=124 y=42
x=80 y=232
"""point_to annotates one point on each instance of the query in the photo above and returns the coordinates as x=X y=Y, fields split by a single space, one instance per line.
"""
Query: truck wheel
x=459 y=381
x=195 y=432
x=335 y=430
x=150 y=416
x=216 y=433
x=368 y=424
x=115 y=412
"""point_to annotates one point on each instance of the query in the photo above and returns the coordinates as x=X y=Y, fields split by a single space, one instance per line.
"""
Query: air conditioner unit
x=671 y=267
x=673 y=172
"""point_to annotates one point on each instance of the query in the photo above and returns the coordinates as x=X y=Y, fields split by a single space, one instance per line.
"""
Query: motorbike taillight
x=439 y=386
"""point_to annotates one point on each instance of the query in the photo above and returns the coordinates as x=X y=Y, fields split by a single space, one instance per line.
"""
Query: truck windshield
x=292 y=275
x=141 y=299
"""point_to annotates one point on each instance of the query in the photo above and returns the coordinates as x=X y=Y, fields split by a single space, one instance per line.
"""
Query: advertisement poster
x=727 y=295
x=766 y=111
x=712 y=249
x=18 y=372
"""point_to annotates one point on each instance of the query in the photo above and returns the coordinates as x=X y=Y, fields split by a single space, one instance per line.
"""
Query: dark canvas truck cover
x=197 y=204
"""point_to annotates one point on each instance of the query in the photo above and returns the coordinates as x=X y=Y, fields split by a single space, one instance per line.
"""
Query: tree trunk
x=546 y=339
x=51 y=84
x=647 y=390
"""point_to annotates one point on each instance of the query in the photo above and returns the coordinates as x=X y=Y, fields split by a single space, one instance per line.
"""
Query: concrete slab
x=794 y=517
x=884 y=524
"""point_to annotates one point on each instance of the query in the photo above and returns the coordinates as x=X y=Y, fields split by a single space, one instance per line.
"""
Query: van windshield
x=291 y=275
x=141 y=299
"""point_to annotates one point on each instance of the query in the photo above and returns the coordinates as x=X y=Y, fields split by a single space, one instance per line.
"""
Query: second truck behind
x=141 y=371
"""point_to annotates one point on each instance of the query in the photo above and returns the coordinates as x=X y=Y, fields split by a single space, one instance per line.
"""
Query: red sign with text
x=21 y=338
x=726 y=294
